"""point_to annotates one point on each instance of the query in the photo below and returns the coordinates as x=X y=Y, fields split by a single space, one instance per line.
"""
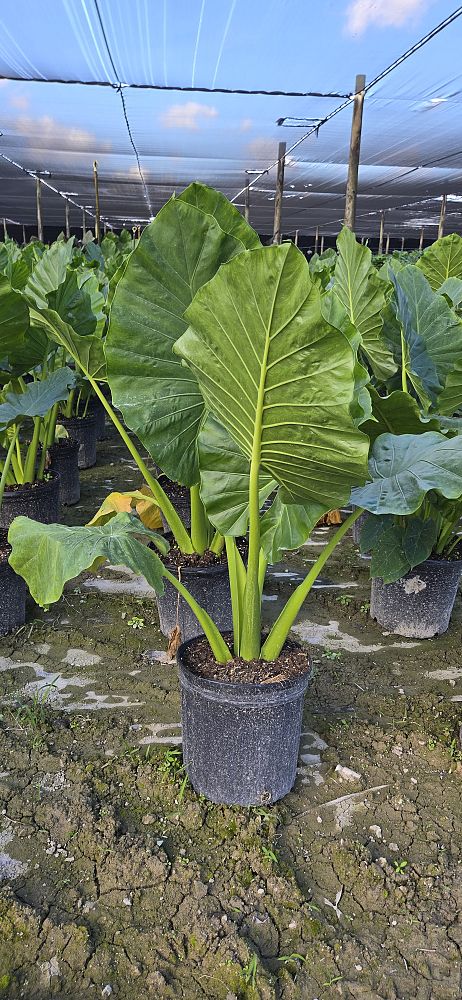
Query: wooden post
x=421 y=241
x=321 y=248
x=382 y=223
x=355 y=148
x=279 y=193
x=104 y=228
x=296 y=238
x=247 y=201
x=24 y=235
x=66 y=216
x=316 y=239
x=442 y=216
x=362 y=240
x=84 y=223
x=97 y=222
x=387 y=246
x=5 y=231
x=38 y=193
x=402 y=243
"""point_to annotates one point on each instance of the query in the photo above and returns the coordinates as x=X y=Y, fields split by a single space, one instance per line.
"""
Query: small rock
x=393 y=847
x=106 y=992
x=148 y=819
x=346 y=773
x=376 y=830
x=260 y=892
x=127 y=901
x=292 y=925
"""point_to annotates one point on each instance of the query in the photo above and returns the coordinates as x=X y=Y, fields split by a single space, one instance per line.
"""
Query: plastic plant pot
x=241 y=741
x=64 y=460
x=97 y=410
x=420 y=604
x=12 y=598
x=83 y=430
x=209 y=585
x=39 y=500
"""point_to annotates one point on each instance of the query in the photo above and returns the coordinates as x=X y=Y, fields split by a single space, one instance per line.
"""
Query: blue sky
x=270 y=44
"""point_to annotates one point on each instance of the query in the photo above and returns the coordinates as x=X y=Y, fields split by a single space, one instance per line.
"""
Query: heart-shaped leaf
x=403 y=468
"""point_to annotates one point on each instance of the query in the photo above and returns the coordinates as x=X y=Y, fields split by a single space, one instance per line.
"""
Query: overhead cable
x=119 y=89
x=373 y=83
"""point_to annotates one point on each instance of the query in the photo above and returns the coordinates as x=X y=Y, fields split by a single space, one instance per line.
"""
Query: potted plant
x=279 y=387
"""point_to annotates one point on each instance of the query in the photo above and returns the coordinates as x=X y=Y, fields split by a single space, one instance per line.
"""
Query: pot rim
x=241 y=687
x=28 y=489
x=89 y=418
x=215 y=568
x=445 y=563
x=71 y=443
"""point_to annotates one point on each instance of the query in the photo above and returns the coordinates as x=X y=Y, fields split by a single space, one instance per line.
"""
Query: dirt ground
x=118 y=880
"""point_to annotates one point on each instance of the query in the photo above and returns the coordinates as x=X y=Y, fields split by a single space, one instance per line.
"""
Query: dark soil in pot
x=83 y=430
x=39 y=501
x=420 y=604
x=64 y=455
x=180 y=498
x=12 y=594
x=97 y=410
x=241 y=736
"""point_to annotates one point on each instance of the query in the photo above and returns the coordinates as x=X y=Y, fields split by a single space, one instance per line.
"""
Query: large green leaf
x=48 y=555
x=213 y=203
x=336 y=315
x=442 y=260
x=14 y=265
x=397 y=413
x=49 y=272
x=432 y=335
x=37 y=398
x=225 y=480
x=177 y=253
x=87 y=352
x=287 y=526
x=14 y=317
x=396 y=546
x=73 y=303
x=403 y=468
x=362 y=294
x=276 y=375
x=452 y=289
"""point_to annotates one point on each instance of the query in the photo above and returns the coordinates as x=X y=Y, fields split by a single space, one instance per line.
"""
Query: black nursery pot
x=179 y=496
x=419 y=605
x=12 y=598
x=240 y=741
x=97 y=410
x=39 y=501
x=209 y=585
x=83 y=430
x=65 y=461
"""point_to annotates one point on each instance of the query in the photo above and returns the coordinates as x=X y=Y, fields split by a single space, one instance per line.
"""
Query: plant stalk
x=281 y=628
x=199 y=522
x=7 y=463
x=31 y=457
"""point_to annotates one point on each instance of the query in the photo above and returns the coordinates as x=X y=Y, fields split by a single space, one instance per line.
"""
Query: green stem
x=251 y=625
x=217 y=544
x=181 y=536
x=217 y=644
x=281 y=628
x=403 y=363
x=7 y=463
x=51 y=429
x=31 y=457
x=199 y=521
x=236 y=573
x=68 y=407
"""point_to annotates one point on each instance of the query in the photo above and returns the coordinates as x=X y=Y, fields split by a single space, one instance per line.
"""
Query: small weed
x=270 y=855
x=432 y=743
x=365 y=607
x=172 y=763
x=344 y=599
x=331 y=982
x=250 y=971
x=136 y=622
x=331 y=654
x=400 y=866
x=294 y=957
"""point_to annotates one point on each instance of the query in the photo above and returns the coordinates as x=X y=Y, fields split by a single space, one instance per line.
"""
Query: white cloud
x=381 y=13
x=246 y=124
x=46 y=133
x=187 y=116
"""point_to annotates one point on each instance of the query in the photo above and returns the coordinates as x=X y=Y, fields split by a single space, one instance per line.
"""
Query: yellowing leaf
x=140 y=500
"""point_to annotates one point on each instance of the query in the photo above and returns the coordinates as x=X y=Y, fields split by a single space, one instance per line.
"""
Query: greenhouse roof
x=150 y=88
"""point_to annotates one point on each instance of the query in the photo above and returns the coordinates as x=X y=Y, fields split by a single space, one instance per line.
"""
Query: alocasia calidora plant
x=415 y=465
x=278 y=384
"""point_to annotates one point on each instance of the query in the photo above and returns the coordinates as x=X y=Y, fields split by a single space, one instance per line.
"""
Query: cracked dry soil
x=117 y=880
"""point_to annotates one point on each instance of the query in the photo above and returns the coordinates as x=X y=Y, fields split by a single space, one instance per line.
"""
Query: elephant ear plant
x=415 y=488
x=278 y=385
